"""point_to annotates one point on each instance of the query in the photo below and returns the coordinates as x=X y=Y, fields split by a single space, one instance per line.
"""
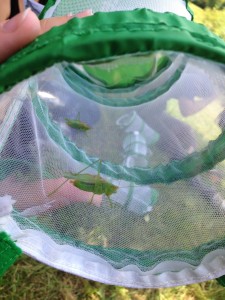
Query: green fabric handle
x=105 y=35
x=9 y=252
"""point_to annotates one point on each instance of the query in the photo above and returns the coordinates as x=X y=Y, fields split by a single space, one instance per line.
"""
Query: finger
x=17 y=33
x=29 y=194
x=70 y=192
x=47 y=24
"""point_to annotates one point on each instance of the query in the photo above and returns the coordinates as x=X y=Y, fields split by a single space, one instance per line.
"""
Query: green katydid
x=77 y=123
x=90 y=183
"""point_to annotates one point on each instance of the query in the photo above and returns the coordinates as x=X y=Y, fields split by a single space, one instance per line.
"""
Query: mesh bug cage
x=112 y=145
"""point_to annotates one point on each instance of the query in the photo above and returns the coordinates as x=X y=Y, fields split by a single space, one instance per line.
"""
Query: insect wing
x=110 y=188
x=87 y=178
x=84 y=186
x=70 y=175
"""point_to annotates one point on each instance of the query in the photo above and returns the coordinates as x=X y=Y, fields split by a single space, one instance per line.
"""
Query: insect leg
x=110 y=202
x=88 y=167
x=92 y=197
x=55 y=190
x=78 y=116
x=99 y=167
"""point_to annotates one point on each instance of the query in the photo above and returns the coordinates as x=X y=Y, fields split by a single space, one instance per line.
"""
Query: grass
x=211 y=18
x=28 y=279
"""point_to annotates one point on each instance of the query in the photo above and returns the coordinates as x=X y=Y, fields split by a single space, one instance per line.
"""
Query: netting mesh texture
x=70 y=6
x=136 y=224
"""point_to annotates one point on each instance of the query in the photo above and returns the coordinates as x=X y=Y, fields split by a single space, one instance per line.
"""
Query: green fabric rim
x=106 y=35
x=148 y=259
x=9 y=252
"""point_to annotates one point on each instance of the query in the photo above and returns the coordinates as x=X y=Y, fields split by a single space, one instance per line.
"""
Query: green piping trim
x=77 y=83
x=189 y=10
x=9 y=252
x=145 y=260
x=190 y=166
x=148 y=259
x=106 y=35
x=49 y=4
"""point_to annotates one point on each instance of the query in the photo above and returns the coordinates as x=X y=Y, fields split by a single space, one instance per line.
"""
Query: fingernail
x=15 y=22
x=87 y=12
x=81 y=14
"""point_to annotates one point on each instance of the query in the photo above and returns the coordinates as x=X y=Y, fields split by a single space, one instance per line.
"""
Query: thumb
x=17 y=33
x=47 y=24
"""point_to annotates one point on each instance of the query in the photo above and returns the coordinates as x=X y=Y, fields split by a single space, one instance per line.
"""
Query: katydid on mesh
x=77 y=123
x=90 y=183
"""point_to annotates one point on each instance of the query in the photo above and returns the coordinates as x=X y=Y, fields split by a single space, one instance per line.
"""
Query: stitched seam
x=86 y=32
x=204 y=277
x=200 y=38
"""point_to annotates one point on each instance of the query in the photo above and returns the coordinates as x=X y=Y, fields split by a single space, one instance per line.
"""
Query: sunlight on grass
x=202 y=122
x=211 y=18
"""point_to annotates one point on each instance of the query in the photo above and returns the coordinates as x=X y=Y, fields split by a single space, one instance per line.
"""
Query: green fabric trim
x=189 y=10
x=146 y=260
x=106 y=35
x=9 y=252
x=49 y=4
x=190 y=166
x=86 y=88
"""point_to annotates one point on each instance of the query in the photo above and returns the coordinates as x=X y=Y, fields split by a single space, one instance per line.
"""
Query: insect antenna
x=67 y=178
x=78 y=116
x=67 y=174
x=99 y=167
x=110 y=202
x=91 y=200
x=89 y=166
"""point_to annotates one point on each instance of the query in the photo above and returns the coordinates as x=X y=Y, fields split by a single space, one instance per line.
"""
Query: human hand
x=15 y=34
x=32 y=196
x=25 y=27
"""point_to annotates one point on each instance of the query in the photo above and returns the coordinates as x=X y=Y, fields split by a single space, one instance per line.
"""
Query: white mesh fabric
x=144 y=235
x=63 y=7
